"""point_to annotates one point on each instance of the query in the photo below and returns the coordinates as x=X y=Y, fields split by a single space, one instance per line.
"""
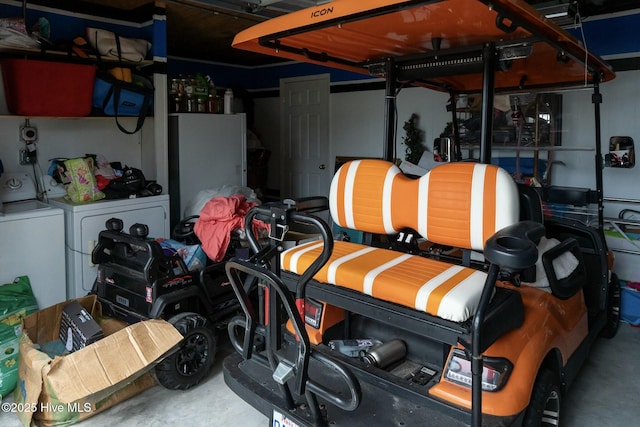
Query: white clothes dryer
x=84 y=222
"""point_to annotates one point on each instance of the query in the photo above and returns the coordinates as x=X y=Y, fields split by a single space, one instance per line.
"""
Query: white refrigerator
x=206 y=151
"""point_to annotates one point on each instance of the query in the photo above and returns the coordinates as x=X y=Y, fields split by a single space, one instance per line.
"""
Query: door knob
x=322 y=166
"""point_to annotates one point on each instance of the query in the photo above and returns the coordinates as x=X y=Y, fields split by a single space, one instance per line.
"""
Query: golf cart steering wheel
x=183 y=231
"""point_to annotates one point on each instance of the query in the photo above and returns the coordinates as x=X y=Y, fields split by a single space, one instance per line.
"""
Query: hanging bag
x=107 y=43
x=120 y=92
x=122 y=99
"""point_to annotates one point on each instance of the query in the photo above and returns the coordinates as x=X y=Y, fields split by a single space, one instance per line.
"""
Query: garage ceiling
x=204 y=29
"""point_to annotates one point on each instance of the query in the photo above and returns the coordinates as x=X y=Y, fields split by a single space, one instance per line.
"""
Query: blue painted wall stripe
x=611 y=36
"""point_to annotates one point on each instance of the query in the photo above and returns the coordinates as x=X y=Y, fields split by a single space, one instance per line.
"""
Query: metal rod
x=618 y=199
x=454 y=126
x=390 y=110
x=622 y=221
x=625 y=251
x=476 y=346
x=530 y=148
x=596 y=98
x=536 y=154
x=488 y=82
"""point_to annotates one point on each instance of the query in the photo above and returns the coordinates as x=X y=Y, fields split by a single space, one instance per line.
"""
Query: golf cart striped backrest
x=456 y=204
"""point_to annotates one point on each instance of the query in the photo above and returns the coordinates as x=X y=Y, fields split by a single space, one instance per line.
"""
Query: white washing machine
x=31 y=240
x=84 y=222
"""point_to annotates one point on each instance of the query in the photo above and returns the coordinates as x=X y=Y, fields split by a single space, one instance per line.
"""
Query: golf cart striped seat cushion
x=457 y=204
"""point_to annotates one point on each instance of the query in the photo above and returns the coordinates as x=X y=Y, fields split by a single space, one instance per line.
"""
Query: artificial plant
x=413 y=140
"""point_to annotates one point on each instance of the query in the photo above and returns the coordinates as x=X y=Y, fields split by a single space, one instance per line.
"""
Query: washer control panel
x=16 y=186
x=52 y=187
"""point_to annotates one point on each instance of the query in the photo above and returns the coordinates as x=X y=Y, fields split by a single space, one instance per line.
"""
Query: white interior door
x=305 y=168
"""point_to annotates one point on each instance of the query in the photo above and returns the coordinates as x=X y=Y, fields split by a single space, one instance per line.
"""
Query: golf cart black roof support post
x=454 y=126
x=596 y=98
x=390 y=109
x=476 y=345
x=489 y=57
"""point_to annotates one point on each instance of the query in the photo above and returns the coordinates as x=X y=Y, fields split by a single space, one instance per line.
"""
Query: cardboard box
x=70 y=388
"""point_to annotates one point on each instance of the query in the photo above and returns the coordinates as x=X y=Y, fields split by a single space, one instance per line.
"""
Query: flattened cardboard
x=111 y=360
x=93 y=378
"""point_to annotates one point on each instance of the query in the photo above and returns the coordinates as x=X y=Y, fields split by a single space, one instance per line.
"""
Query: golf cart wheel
x=193 y=360
x=546 y=400
x=613 y=308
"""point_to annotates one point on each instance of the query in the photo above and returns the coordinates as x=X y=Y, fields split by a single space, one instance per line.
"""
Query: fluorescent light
x=556 y=15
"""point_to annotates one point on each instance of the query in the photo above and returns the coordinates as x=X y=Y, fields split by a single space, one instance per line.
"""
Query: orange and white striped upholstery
x=457 y=204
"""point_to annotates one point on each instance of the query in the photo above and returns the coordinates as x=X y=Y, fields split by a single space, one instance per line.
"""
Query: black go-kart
x=138 y=280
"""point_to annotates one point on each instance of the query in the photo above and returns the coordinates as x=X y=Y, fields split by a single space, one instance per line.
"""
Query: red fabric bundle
x=218 y=218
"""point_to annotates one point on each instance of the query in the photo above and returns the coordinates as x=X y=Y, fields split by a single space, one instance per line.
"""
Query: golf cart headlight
x=495 y=371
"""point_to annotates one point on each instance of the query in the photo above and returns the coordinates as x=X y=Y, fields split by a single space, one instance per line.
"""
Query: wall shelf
x=48 y=55
x=71 y=20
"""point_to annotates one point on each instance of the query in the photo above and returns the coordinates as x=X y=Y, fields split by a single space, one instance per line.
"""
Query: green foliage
x=413 y=139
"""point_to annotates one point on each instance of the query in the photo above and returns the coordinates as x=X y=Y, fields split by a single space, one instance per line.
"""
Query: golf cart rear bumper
x=382 y=403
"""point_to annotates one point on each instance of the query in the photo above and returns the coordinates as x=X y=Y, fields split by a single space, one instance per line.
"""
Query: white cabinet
x=83 y=224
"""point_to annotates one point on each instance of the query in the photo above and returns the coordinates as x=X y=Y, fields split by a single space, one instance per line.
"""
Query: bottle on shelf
x=212 y=106
x=228 y=101
x=200 y=92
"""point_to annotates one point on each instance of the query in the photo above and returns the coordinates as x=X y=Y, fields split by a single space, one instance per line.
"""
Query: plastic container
x=630 y=305
x=46 y=88
x=228 y=101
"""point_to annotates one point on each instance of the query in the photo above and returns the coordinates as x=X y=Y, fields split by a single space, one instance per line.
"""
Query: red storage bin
x=45 y=88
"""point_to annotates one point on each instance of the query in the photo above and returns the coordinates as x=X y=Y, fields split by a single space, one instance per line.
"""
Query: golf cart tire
x=192 y=362
x=613 y=308
x=546 y=401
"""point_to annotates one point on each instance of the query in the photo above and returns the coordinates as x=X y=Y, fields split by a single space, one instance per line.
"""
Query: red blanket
x=218 y=218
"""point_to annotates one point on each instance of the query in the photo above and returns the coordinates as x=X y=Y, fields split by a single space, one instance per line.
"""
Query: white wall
x=620 y=116
x=72 y=137
x=357 y=129
x=357 y=123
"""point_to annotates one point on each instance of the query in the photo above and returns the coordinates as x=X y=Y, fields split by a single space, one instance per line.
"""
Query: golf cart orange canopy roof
x=436 y=43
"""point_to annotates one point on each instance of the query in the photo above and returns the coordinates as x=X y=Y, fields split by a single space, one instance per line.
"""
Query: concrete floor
x=604 y=394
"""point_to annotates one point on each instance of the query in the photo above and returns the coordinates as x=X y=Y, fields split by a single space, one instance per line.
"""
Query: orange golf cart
x=464 y=304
